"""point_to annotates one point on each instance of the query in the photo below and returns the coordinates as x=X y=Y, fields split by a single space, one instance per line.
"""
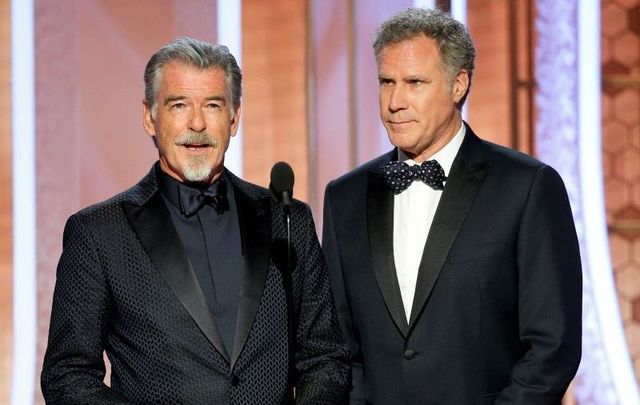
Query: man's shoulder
x=137 y=194
x=508 y=159
x=258 y=192
x=512 y=167
x=251 y=190
x=263 y=198
x=512 y=156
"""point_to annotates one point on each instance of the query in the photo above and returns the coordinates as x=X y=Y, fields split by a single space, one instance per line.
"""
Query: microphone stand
x=282 y=179
x=287 y=281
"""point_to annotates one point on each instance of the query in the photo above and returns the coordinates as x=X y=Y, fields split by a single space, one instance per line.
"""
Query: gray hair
x=200 y=54
x=452 y=37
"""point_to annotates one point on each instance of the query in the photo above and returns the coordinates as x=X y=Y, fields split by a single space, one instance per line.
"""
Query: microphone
x=282 y=184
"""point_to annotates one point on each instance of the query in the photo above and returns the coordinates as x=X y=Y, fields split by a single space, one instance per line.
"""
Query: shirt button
x=409 y=354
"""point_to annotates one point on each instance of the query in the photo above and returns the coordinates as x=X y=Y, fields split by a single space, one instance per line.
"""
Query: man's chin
x=197 y=174
x=403 y=142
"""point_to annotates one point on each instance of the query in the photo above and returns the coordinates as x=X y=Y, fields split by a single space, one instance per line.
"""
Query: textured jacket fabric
x=124 y=286
x=496 y=316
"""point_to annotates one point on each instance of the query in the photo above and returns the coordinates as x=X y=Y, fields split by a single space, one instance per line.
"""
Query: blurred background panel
x=6 y=279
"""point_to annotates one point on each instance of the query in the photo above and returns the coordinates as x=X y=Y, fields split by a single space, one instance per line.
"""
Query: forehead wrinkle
x=407 y=62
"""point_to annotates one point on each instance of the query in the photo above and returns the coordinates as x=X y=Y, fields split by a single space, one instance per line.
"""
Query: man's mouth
x=197 y=146
x=399 y=122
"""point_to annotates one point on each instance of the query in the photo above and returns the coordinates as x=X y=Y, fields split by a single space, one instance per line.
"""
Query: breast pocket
x=482 y=251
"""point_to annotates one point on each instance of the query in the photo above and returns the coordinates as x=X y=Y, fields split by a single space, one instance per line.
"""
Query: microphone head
x=281 y=179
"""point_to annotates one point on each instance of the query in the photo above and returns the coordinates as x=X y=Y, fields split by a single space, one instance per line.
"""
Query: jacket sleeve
x=332 y=256
x=74 y=369
x=549 y=296
x=321 y=354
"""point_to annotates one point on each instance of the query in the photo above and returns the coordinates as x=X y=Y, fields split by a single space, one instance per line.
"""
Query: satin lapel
x=152 y=223
x=255 y=230
x=380 y=228
x=465 y=179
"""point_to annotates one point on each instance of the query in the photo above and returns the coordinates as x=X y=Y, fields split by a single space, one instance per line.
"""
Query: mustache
x=196 y=138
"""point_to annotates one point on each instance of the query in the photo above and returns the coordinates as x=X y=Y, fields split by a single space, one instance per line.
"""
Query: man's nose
x=197 y=122
x=397 y=99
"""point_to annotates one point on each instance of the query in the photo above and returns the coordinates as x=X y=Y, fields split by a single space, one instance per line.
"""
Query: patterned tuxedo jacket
x=124 y=286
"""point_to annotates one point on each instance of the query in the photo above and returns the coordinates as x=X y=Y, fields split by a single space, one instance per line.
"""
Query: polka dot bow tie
x=399 y=175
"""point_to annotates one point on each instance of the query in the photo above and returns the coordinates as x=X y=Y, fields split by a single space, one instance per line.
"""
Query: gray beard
x=197 y=169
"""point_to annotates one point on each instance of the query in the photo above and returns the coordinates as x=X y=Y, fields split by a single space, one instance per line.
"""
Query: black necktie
x=192 y=199
x=399 y=175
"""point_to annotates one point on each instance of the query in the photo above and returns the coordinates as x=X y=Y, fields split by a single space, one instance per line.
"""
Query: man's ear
x=147 y=120
x=235 y=121
x=460 y=85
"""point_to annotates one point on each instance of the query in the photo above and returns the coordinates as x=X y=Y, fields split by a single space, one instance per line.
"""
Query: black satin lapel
x=255 y=230
x=152 y=223
x=380 y=228
x=462 y=186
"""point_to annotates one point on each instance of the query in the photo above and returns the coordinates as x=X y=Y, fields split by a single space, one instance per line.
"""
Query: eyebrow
x=170 y=99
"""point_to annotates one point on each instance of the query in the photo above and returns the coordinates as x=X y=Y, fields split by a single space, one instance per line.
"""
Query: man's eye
x=177 y=106
x=385 y=82
x=213 y=106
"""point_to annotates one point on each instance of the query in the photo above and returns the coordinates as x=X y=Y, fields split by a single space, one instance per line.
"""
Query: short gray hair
x=200 y=54
x=452 y=37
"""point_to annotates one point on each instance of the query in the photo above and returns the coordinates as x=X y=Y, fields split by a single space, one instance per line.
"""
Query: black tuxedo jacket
x=496 y=316
x=124 y=286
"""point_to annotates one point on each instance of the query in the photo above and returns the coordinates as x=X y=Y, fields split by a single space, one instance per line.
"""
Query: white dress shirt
x=413 y=212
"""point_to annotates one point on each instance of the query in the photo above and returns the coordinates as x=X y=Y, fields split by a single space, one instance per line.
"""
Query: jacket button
x=235 y=380
x=409 y=354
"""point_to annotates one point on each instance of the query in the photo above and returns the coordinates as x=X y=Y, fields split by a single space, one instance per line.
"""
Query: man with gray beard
x=179 y=279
